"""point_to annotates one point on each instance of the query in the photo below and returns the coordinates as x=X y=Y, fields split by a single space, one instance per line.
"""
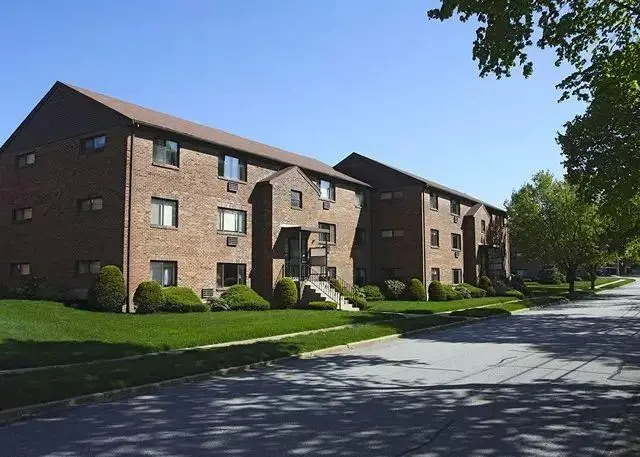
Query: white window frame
x=232 y=168
x=239 y=223
x=437 y=271
x=163 y=219
x=327 y=190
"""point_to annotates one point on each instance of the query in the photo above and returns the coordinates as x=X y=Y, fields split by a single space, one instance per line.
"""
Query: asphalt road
x=554 y=382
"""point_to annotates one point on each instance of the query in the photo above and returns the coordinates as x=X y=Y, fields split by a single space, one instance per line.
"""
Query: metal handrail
x=322 y=283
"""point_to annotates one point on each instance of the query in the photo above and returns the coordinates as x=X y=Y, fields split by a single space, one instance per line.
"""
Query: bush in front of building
x=319 y=306
x=437 y=291
x=500 y=287
x=484 y=283
x=148 y=297
x=285 y=294
x=358 y=301
x=517 y=283
x=109 y=292
x=514 y=293
x=372 y=292
x=464 y=293
x=393 y=289
x=416 y=291
x=241 y=297
x=182 y=300
x=452 y=294
x=551 y=275
x=474 y=291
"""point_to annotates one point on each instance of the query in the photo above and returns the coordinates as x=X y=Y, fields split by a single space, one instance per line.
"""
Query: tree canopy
x=583 y=33
x=553 y=225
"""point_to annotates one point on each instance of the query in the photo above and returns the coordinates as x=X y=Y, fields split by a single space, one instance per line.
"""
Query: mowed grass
x=550 y=289
x=51 y=384
x=430 y=307
x=36 y=333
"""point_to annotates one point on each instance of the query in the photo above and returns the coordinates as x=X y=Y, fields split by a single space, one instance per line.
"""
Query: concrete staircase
x=322 y=291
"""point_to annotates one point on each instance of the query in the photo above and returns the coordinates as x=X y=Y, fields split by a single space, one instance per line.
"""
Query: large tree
x=551 y=224
x=583 y=33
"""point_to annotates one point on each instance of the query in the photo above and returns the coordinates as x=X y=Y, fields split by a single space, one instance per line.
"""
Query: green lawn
x=59 y=383
x=551 y=289
x=429 y=307
x=35 y=333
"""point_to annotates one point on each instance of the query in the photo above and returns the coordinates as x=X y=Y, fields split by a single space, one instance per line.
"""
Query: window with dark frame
x=331 y=272
x=455 y=207
x=391 y=233
x=230 y=274
x=392 y=273
x=435 y=238
x=359 y=276
x=20 y=269
x=22 y=214
x=361 y=236
x=457 y=275
x=90 y=204
x=26 y=160
x=435 y=274
x=296 y=199
x=164 y=213
x=164 y=272
x=483 y=226
x=392 y=195
x=327 y=237
x=232 y=168
x=232 y=220
x=456 y=241
x=327 y=190
x=433 y=200
x=93 y=144
x=166 y=152
x=84 y=267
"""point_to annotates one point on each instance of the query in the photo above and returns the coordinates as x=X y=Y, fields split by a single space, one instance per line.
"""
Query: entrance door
x=295 y=261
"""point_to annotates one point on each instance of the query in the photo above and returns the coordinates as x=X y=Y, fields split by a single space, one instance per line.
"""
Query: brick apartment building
x=88 y=180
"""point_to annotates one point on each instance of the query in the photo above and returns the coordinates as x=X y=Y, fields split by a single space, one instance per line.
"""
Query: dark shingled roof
x=431 y=184
x=163 y=121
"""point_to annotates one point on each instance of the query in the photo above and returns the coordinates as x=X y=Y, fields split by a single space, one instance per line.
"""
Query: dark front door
x=296 y=259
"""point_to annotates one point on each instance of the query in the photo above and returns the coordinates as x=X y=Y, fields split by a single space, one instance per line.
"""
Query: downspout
x=131 y=138
x=424 y=253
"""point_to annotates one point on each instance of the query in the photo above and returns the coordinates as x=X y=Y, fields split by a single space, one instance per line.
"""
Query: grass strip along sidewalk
x=61 y=383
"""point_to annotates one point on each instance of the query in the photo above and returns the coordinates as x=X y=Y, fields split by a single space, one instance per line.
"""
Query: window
x=360 y=276
x=20 y=269
x=164 y=273
x=435 y=238
x=232 y=168
x=455 y=207
x=25 y=160
x=328 y=237
x=90 y=204
x=435 y=274
x=22 y=214
x=433 y=200
x=84 y=267
x=361 y=198
x=386 y=195
x=391 y=233
x=456 y=241
x=361 y=237
x=331 y=272
x=296 y=199
x=457 y=275
x=230 y=274
x=164 y=213
x=93 y=144
x=327 y=190
x=232 y=220
x=392 y=273
x=166 y=152
x=389 y=195
x=483 y=226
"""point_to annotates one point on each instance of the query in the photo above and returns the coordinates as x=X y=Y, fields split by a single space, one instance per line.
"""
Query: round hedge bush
x=240 y=293
x=514 y=293
x=416 y=291
x=285 y=294
x=109 y=292
x=372 y=292
x=148 y=297
x=437 y=291
x=182 y=300
x=484 y=283
x=475 y=292
x=394 y=289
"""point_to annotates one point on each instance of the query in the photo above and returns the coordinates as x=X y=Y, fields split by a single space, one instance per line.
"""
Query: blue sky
x=318 y=78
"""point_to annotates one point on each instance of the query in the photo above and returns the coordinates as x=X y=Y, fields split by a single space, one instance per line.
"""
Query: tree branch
x=631 y=9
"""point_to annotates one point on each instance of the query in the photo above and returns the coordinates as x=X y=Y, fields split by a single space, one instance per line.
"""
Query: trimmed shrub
x=451 y=293
x=500 y=287
x=416 y=291
x=148 y=297
x=240 y=293
x=484 y=283
x=109 y=292
x=517 y=283
x=464 y=293
x=514 y=293
x=357 y=301
x=182 y=300
x=285 y=294
x=372 y=292
x=320 y=306
x=218 y=304
x=393 y=289
x=491 y=292
x=475 y=292
x=550 y=275
x=262 y=305
x=437 y=291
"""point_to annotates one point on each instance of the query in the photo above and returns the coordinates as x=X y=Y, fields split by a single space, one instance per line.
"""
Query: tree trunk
x=571 y=279
x=592 y=277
